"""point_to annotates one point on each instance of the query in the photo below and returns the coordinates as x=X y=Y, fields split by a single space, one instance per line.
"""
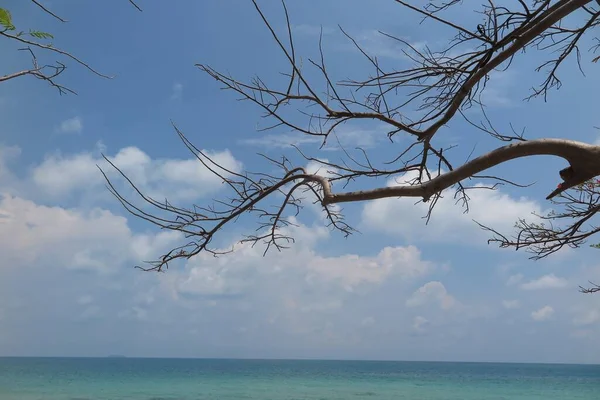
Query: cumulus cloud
x=550 y=281
x=71 y=125
x=59 y=175
x=31 y=234
x=449 y=223
x=543 y=314
x=351 y=270
x=246 y=267
x=312 y=296
x=317 y=168
x=177 y=179
x=432 y=292
x=300 y=292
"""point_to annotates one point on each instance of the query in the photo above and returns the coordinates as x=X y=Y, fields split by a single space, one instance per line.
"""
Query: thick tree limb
x=584 y=160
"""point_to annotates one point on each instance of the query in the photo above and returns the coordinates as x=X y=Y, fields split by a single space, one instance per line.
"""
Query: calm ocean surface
x=183 y=379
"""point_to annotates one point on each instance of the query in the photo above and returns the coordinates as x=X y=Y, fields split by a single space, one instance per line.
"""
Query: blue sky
x=397 y=290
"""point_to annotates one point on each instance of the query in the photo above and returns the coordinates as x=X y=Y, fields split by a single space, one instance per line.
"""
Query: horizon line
x=119 y=356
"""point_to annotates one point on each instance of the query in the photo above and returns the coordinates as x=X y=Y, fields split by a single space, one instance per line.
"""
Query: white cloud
x=71 y=125
x=323 y=299
x=299 y=294
x=145 y=245
x=31 y=234
x=176 y=91
x=511 y=304
x=432 y=292
x=352 y=270
x=317 y=168
x=58 y=175
x=550 y=281
x=236 y=273
x=177 y=179
x=449 y=223
x=542 y=314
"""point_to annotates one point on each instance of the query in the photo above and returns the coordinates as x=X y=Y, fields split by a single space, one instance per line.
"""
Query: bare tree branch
x=133 y=3
x=437 y=88
x=593 y=289
x=54 y=50
x=40 y=73
x=47 y=11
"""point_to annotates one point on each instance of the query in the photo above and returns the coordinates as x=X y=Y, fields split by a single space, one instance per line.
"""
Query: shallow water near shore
x=195 y=379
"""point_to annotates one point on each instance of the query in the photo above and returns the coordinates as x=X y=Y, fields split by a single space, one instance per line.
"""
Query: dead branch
x=437 y=88
x=53 y=50
x=47 y=11
x=46 y=73
x=592 y=289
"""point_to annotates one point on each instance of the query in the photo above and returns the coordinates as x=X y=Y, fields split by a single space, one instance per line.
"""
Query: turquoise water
x=188 y=379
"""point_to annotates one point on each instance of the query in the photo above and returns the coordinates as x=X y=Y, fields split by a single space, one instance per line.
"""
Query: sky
x=397 y=290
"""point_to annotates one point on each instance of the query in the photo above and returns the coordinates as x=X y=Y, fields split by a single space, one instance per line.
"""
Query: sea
x=200 y=379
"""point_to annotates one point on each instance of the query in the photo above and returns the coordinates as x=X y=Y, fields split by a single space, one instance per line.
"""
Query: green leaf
x=41 y=35
x=6 y=19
